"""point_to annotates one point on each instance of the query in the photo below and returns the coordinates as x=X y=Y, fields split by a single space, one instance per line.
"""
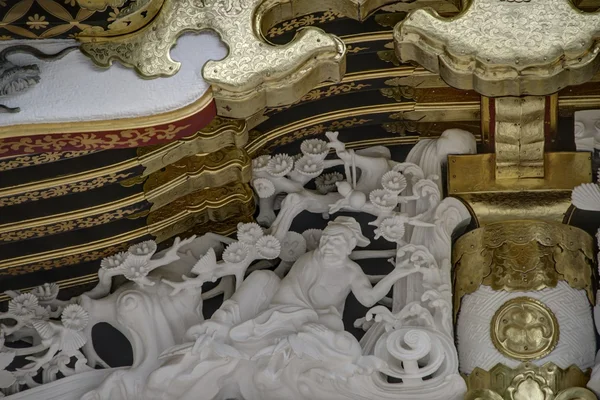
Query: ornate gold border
x=500 y=380
x=160 y=188
x=233 y=198
x=484 y=257
x=410 y=110
x=218 y=134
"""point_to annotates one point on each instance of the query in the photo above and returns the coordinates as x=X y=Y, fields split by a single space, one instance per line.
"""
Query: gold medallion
x=524 y=329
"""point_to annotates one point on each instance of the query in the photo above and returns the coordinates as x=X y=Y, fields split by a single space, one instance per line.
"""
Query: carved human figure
x=266 y=310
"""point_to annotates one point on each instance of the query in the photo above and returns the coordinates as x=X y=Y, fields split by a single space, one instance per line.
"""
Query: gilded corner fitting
x=528 y=381
x=473 y=179
x=561 y=47
x=254 y=75
x=521 y=256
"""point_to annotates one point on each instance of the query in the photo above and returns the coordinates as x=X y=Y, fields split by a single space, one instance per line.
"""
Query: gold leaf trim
x=563 y=383
x=65 y=226
x=522 y=256
x=62 y=190
x=218 y=204
x=306 y=20
x=321 y=93
x=88 y=141
x=39 y=159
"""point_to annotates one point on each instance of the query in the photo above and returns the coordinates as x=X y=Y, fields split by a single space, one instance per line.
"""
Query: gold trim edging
x=221 y=132
x=181 y=178
x=216 y=204
x=165 y=118
x=528 y=381
x=522 y=256
x=226 y=228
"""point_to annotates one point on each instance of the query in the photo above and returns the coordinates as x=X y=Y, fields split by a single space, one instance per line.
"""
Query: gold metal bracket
x=550 y=45
x=528 y=381
x=472 y=178
x=254 y=75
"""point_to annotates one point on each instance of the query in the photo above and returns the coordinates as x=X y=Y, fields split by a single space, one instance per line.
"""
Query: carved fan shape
x=586 y=197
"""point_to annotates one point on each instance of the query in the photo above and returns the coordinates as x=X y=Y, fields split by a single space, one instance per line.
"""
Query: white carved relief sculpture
x=279 y=331
x=594 y=383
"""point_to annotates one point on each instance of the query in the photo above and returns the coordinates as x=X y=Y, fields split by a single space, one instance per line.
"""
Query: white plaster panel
x=74 y=89
x=586 y=133
x=576 y=344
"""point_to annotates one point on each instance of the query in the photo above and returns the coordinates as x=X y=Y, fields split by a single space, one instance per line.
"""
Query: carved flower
x=383 y=199
x=135 y=271
x=312 y=237
x=264 y=188
x=113 y=261
x=25 y=304
x=280 y=165
x=314 y=148
x=236 y=253
x=145 y=249
x=260 y=163
x=37 y=22
x=249 y=233
x=392 y=229
x=292 y=246
x=326 y=183
x=394 y=182
x=268 y=247
x=74 y=317
x=46 y=292
x=309 y=166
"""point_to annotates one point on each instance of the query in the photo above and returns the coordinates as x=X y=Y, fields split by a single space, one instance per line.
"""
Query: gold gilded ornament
x=524 y=329
x=521 y=256
x=253 y=75
x=561 y=49
x=519 y=137
x=528 y=382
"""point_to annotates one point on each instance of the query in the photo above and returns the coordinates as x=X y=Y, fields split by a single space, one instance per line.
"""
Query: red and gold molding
x=16 y=140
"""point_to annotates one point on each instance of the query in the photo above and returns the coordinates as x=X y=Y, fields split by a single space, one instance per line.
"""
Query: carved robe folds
x=522 y=304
